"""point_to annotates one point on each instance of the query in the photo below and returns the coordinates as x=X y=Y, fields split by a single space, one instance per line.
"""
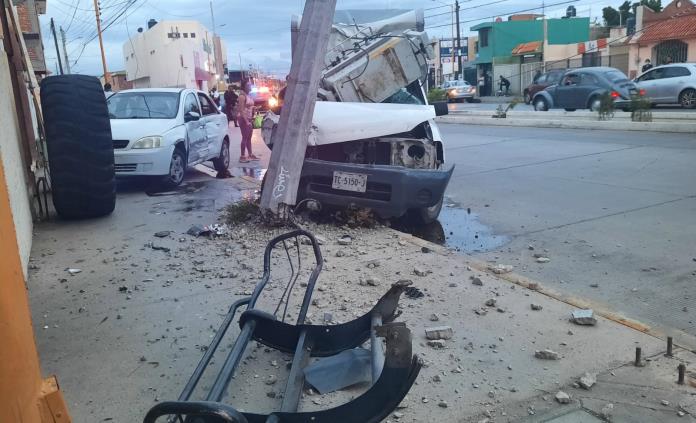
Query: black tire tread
x=80 y=146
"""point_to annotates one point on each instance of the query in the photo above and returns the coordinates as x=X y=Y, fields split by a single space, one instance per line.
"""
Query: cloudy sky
x=257 y=30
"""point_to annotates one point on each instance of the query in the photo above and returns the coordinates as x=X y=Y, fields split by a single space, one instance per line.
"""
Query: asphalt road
x=615 y=212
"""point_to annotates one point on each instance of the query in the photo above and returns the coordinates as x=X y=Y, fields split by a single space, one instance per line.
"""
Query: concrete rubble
x=166 y=305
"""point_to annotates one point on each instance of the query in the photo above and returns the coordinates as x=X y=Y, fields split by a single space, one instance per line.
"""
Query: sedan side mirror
x=191 y=116
x=441 y=108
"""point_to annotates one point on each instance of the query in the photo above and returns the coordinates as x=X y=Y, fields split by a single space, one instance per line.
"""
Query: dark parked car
x=541 y=82
x=583 y=89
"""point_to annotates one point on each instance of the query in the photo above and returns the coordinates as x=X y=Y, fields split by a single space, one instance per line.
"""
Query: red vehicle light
x=641 y=92
x=614 y=94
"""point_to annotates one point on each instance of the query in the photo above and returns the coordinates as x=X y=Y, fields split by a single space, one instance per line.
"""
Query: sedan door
x=589 y=83
x=565 y=94
x=648 y=82
x=195 y=129
x=214 y=128
x=674 y=81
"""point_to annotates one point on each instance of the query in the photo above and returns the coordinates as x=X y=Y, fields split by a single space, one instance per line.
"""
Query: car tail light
x=614 y=94
x=641 y=92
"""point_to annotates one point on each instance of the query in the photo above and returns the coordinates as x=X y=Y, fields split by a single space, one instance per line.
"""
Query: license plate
x=345 y=181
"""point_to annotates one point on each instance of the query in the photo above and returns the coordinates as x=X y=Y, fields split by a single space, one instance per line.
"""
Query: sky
x=257 y=32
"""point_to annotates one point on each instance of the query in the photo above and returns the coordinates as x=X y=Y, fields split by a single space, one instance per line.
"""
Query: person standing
x=504 y=82
x=245 y=116
x=481 y=85
x=216 y=96
x=647 y=66
x=230 y=103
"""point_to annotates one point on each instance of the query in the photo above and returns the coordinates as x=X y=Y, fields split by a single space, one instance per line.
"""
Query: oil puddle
x=188 y=187
x=457 y=228
x=196 y=204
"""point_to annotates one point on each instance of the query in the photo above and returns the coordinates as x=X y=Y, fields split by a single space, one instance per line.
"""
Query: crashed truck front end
x=374 y=142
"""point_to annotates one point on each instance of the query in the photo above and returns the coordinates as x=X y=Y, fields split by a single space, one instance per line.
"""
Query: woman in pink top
x=245 y=115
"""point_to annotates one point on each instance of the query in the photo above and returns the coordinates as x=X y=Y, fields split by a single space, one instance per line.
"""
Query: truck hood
x=134 y=129
x=336 y=122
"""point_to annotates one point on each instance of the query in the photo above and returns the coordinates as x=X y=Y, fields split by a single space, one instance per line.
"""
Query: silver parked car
x=459 y=90
x=670 y=84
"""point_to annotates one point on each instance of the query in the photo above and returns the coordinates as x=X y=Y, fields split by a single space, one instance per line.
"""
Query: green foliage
x=437 y=94
x=614 y=17
x=606 y=106
x=240 y=211
x=501 y=113
x=640 y=109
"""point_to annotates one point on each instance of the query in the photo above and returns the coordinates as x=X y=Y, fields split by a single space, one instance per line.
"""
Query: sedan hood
x=134 y=129
x=336 y=122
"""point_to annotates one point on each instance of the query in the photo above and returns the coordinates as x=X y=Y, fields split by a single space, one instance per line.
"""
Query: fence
x=618 y=61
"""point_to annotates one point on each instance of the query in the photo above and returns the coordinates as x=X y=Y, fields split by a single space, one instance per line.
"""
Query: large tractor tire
x=80 y=147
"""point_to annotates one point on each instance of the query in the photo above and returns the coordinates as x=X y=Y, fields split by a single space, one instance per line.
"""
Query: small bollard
x=669 y=346
x=682 y=371
x=638 y=362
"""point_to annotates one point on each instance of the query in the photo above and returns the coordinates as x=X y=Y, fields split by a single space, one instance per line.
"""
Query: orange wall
x=20 y=376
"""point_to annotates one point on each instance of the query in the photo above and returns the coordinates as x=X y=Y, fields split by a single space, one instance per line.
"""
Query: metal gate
x=527 y=72
x=671 y=51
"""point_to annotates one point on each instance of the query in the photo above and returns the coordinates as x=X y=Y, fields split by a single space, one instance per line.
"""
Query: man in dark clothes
x=647 y=66
x=230 y=102
x=504 y=82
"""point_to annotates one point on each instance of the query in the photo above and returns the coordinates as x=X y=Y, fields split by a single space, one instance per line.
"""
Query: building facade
x=174 y=54
x=517 y=48
x=664 y=37
x=28 y=12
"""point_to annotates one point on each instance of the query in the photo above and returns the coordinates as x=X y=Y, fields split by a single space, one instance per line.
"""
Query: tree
x=611 y=16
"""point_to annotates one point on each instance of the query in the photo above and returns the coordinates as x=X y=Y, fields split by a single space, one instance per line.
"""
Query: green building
x=514 y=48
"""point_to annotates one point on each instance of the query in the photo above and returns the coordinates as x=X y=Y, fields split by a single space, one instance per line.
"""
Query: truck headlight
x=272 y=102
x=148 y=142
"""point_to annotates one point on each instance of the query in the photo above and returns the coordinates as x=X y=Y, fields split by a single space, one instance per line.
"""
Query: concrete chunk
x=546 y=355
x=587 y=380
x=583 y=317
x=439 y=332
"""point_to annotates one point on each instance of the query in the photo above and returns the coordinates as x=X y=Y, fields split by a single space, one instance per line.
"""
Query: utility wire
x=508 y=13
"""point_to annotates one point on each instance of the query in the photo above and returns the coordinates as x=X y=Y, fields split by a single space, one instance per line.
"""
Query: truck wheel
x=80 y=147
x=426 y=215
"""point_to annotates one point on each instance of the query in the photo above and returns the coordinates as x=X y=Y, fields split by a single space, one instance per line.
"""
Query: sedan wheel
x=177 y=168
x=688 y=99
x=595 y=105
x=540 y=105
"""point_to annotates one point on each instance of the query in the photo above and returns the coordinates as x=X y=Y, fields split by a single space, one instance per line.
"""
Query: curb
x=681 y=338
x=676 y=127
x=576 y=115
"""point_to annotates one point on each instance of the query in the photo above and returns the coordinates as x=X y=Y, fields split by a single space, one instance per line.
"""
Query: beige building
x=174 y=54
x=664 y=37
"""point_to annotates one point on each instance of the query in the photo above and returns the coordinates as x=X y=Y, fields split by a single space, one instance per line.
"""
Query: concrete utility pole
x=65 y=50
x=55 y=40
x=97 y=14
x=459 y=43
x=290 y=140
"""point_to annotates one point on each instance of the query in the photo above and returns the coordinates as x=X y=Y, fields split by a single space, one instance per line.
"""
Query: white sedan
x=162 y=131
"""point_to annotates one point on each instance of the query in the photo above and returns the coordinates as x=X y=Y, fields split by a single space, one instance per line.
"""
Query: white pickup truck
x=374 y=141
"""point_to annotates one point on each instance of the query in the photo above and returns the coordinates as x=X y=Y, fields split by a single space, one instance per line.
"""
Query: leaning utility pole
x=97 y=13
x=65 y=50
x=459 y=43
x=55 y=40
x=290 y=140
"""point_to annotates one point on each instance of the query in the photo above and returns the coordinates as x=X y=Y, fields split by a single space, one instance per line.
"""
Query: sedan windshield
x=143 y=105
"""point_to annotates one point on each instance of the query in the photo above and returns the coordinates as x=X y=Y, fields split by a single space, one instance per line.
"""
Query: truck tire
x=426 y=215
x=80 y=147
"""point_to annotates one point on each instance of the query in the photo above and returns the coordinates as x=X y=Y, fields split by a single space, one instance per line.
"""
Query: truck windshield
x=411 y=94
x=143 y=105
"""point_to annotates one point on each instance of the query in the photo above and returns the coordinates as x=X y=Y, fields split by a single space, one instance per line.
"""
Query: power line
x=468 y=8
x=509 y=13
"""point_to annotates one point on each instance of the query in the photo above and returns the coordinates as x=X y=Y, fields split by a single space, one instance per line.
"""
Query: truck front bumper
x=391 y=190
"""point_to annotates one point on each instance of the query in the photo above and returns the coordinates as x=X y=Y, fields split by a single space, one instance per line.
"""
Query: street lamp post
x=455 y=49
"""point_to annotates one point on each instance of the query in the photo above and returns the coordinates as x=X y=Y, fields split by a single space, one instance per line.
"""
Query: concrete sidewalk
x=128 y=329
